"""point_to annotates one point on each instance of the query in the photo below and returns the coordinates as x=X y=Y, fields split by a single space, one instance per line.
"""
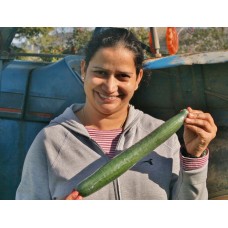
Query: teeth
x=108 y=97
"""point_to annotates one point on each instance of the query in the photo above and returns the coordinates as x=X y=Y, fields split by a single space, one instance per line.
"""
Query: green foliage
x=48 y=40
x=31 y=32
x=203 y=40
x=142 y=33
x=80 y=37
x=33 y=38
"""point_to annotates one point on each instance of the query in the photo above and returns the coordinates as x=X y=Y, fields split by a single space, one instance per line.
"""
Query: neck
x=93 y=119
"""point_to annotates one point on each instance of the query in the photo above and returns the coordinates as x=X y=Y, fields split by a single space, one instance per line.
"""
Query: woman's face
x=110 y=80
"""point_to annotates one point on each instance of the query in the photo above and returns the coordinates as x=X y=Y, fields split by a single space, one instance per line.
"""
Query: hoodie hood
x=69 y=120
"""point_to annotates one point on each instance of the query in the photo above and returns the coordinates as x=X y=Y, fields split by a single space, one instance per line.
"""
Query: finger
x=200 y=123
x=204 y=132
x=194 y=113
x=190 y=110
x=203 y=137
x=201 y=115
x=204 y=121
x=79 y=197
x=74 y=195
x=196 y=127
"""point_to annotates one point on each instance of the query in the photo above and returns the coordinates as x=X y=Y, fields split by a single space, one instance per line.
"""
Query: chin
x=108 y=110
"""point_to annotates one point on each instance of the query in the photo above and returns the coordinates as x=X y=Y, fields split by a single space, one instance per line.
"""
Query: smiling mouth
x=108 y=98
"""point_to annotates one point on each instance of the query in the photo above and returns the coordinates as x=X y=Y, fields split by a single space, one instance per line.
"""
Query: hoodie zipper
x=116 y=181
x=116 y=189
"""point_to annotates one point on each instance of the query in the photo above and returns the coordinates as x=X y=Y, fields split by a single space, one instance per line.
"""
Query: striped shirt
x=193 y=163
x=108 y=139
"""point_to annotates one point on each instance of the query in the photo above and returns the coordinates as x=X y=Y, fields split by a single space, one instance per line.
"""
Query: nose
x=110 y=85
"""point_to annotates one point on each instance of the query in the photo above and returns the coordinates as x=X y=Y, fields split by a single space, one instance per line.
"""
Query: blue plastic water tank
x=31 y=94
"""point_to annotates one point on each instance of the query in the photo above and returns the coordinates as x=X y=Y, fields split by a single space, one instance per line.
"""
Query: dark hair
x=111 y=37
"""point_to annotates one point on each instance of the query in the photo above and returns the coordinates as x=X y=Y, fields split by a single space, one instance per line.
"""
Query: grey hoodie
x=63 y=154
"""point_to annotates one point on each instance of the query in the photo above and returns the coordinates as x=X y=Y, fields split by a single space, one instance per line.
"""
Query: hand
x=199 y=130
x=74 y=195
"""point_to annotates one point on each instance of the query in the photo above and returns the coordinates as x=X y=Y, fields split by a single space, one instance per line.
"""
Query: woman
x=86 y=136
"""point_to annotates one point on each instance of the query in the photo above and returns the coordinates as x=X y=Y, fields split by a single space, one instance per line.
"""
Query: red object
x=172 y=41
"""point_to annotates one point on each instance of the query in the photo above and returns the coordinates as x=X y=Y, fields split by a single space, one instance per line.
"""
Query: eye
x=123 y=76
x=101 y=73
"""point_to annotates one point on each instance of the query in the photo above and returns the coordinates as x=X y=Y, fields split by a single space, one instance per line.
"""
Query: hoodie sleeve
x=34 y=182
x=188 y=185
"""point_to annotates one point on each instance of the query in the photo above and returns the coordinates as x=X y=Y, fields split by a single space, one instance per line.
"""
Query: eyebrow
x=121 y=72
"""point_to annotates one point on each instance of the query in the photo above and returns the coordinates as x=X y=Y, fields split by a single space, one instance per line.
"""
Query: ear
x=83 y=69
x=139 y=78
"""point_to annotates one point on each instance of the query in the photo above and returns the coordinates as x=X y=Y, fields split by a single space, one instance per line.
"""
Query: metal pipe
x=155 y=36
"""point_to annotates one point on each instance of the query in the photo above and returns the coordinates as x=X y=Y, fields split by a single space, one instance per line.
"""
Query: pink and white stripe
x=189 y=164
x=106 y=139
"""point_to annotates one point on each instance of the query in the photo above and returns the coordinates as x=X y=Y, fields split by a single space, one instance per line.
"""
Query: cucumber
x=128 y=158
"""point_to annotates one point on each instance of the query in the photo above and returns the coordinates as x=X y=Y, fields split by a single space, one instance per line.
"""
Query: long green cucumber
x=128 y=158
